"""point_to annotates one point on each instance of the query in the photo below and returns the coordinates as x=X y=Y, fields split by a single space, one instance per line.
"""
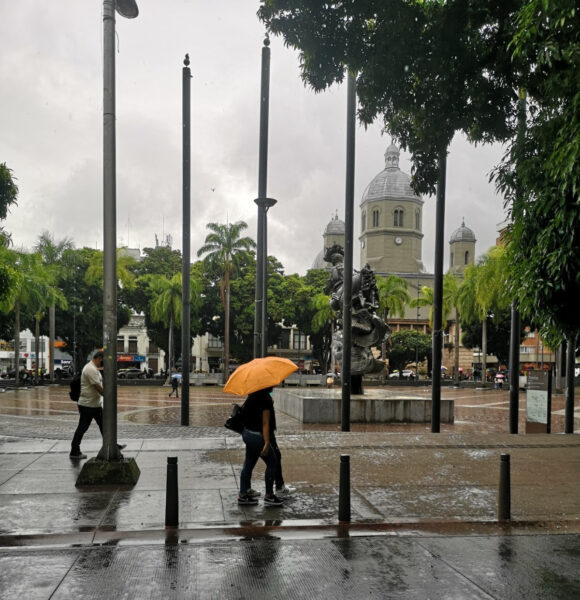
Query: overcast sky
x=51 y=102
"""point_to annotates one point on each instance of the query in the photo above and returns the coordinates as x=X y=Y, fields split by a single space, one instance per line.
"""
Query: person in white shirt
x=90 y=403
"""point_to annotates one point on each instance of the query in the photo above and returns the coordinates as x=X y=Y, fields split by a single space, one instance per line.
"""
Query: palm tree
x=483 y=290
x=52 y=252
x=449 y=302
x=224 y=248
x=125 y=276
x=32 y=286
x=166 y=305
x=393 y=298
x=324 y=314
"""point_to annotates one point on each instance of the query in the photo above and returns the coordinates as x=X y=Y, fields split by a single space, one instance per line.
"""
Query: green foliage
x=498 y=335
x=405 y=346
x=427 y=69
x=8 y=198
x=81 y=324
x=540 y=173
x=485 y=287
x=8 y=190
x=393 y=296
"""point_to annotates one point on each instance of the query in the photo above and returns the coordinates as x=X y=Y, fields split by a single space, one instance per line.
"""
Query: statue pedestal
x=374 y=406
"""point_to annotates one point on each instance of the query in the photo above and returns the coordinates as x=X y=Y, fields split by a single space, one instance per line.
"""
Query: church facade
x=391 y=236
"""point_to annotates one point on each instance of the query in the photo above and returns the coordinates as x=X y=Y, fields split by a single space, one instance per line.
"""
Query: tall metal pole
x=437 y=341
x=570 y=364
x=259 y=308
x=348 y=247
x=51 y=332
x=186 y=258
x=514 y=369
x=514 y=361
x=109 y=451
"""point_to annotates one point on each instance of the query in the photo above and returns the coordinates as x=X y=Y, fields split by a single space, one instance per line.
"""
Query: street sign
x=539 y=402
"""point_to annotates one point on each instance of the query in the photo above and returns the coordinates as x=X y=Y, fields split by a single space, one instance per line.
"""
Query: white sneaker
x=253 y=493
x=285 y=490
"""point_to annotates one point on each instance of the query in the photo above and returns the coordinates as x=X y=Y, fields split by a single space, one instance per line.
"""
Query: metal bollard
x=172 y=494
x=344 y=489
x=504 y=497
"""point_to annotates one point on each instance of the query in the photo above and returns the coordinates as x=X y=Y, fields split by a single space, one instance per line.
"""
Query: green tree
x=540 y=173
x=223 y=250
x=125 y=265
x=81 y=325
x=498 y=334
x=31 y=288
x=165 y=306
x=405 y=345
x=323 y=321
x=8 y=198
x=161 y=260
x=483 y=292
x=451 y=287
x=51 y=252
x=393 y=298
x=428 y=69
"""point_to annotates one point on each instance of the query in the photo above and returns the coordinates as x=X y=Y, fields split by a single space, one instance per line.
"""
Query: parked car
x=406 y=374
x=131 y=374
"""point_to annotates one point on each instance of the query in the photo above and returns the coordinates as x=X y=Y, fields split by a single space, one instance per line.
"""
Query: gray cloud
x=51 y=126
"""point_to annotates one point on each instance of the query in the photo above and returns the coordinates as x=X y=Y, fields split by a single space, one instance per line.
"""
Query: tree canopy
x=540 y=173
x=427 y=69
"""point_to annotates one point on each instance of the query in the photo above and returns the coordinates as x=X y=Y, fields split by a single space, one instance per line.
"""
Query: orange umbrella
x=258 y=374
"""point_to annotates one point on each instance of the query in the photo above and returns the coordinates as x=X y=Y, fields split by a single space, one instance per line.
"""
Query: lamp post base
x=102 y=472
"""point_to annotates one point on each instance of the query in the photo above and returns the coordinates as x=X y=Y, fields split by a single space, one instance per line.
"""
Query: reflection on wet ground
x=475 y=410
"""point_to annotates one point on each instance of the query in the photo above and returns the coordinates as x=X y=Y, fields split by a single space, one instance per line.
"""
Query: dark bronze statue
x=368 y=329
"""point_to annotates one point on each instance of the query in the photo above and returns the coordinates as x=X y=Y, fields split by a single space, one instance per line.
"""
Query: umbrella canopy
x=258 y=374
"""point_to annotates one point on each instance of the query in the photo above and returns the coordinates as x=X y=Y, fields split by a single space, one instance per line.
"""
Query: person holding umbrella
x=259 y=421
x=257 y=379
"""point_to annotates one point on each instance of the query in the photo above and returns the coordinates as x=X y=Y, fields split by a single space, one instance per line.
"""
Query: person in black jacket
x=259 y=425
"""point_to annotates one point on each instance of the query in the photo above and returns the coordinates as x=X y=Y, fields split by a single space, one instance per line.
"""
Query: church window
x=398 y=217
x=417 y=220
x=467 y=257
x=376 y=217
x=363 y=221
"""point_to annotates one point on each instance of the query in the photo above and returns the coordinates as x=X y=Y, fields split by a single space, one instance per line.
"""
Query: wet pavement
x=423 y=507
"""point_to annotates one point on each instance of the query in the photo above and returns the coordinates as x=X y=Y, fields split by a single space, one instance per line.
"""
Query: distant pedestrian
x=175 y=379
x=90 y=403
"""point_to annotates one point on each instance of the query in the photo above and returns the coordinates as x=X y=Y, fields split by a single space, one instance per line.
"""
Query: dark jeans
x=87 y=414
x=254 y=446
x=278 y=479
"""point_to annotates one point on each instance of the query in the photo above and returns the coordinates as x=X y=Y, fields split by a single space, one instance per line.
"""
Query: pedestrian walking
x=175 y=379
x=90 y=403
x=259 y=425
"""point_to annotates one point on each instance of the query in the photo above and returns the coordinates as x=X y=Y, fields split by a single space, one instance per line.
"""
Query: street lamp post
x=185 y=266
x=264 y=203
x=124 y=471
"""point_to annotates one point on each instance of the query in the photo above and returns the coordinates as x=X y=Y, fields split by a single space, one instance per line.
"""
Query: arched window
x=417 y=220
x=376 y=217
x=363 y=225
x=398 y=217
x=466 y=257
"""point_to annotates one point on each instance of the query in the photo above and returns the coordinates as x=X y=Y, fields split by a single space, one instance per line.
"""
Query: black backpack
x=75 y=388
